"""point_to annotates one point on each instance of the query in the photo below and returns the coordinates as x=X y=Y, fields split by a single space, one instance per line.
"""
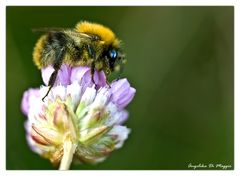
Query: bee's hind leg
x=51 y=82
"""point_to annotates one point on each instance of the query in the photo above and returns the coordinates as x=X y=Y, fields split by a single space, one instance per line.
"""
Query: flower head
x=88 y=116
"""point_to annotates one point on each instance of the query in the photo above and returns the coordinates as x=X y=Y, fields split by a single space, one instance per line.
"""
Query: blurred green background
x=180 y=60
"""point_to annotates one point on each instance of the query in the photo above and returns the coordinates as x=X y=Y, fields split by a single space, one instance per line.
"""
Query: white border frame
x=5 y=3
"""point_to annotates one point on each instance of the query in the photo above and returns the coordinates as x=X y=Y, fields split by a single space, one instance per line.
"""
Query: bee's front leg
x=92 y=55
x=108 y=83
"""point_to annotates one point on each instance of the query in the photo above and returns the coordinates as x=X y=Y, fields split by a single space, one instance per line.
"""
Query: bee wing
x=85 y=35
x=46 y=30
x=88 y=36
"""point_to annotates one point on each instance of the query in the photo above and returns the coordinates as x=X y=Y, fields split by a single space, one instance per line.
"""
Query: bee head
x=112 y=53
x=115 y=58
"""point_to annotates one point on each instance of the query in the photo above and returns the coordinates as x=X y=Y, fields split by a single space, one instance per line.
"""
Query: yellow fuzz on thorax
x=103 y=32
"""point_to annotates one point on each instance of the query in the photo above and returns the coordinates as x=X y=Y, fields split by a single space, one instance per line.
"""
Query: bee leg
x=47 y=93
x=91 y=51
x=51 y=82
x=119 y=76
x=108 y=83
x=92 y=73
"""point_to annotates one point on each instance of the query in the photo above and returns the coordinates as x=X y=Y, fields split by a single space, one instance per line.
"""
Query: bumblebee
x=88 y=44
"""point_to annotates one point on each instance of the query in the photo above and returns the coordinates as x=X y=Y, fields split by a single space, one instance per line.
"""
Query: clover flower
x=78 y=120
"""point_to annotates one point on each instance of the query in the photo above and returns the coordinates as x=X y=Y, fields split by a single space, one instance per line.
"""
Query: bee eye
x=113 y=54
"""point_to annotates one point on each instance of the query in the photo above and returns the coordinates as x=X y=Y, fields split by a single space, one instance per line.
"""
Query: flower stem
x=68 y=151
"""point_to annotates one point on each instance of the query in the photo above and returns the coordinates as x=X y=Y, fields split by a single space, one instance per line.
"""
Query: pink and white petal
x=102 y=97
x=75 y=92
x=123 y=116
x=59 y=91
x=113 y=114
x=32 y=145
x=121 y=132
x=119 y=86
x=122 y=93
x=46 y=73
x=88 y=96
x=101 y=79
x=79 y=73
x=63 y=75
x=29 y=98
x=125 y=100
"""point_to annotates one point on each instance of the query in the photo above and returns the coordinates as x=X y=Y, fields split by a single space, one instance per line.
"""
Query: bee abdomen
x=38 y=49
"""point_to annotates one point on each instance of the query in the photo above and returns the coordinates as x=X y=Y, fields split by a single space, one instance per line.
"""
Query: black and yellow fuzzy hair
x=103 y=32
